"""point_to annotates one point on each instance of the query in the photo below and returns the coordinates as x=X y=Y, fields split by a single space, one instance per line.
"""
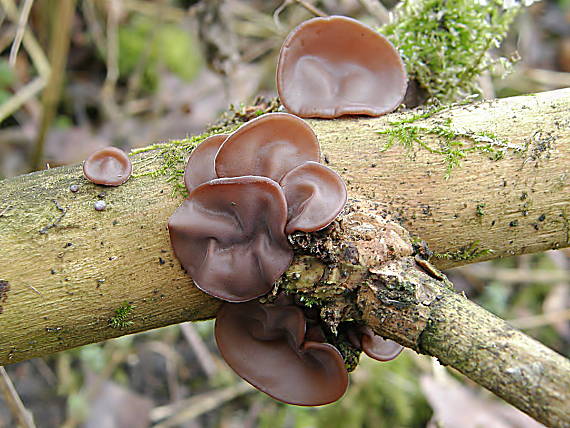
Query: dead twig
x=59 y=47
x=20 y=31
x=534 y=321
x=193 y=407
x=12 y=399
x=205 y=358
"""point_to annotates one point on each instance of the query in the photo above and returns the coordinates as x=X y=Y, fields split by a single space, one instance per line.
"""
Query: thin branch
x=30 y=43
x=22 y=22
x=14 y=402
x=59 y=48
x=21 y=97
x=534 y=321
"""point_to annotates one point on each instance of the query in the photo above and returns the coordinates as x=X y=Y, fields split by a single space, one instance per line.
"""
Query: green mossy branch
x=453 y=144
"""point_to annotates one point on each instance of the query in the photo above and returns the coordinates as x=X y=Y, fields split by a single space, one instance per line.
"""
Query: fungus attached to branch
x=229 y=235
x=200 y=166
x=266 y=346
x=377 y=347
x=269 y=146
x=315 y=195
x=109 y=166
x=335 y=66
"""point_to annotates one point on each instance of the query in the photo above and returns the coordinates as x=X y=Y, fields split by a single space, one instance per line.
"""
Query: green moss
x=119 y=320
x=174 y=154
x=445 y=44
x=466 y=253
x=479 y=210
x=453 y=144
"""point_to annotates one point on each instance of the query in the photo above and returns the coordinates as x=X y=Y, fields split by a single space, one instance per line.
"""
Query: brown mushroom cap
x=109 y=166
x=264 y=345
x=269 y=146
x=229 y=236
x=377 y=347
x=329 y=67
x=315 y=195
x=200 y=166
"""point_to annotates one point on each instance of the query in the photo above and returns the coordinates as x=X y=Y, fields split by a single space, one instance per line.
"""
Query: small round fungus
x=266 y=346
x=377 y=347
x=269 y=146
x=315 y=195
x=200 y=166
x=334 y=66
x=109 y=166
x=229 y=236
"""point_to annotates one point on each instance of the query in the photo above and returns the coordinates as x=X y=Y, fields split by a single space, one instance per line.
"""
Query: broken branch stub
x=363 y=268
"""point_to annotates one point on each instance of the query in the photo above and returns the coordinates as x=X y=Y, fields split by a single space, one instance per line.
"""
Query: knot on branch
x=362 y=269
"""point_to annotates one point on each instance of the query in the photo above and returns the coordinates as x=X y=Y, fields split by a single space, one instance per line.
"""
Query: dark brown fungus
x=377 y=347
x=269 y=146
x=229 y=236
x=200 y=166
x=315 y=195
x=109 y=166
x=329 y=67
x=264 y=345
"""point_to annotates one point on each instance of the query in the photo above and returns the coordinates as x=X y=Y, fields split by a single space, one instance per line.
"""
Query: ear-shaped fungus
x=109 y=166
x=229 y=235
x=329 y=67
x=315 y=195
x=265 y=345
x=377 y=347
x=268 y=146
x=200 y=166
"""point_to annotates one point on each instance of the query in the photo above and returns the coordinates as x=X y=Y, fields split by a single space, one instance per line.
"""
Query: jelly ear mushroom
x=229 y=236
x=200 y=166
x=315 y=195
x=268 y=146
x=334 y=66
x=377 y=347
x=264 y=345
x=109 y=166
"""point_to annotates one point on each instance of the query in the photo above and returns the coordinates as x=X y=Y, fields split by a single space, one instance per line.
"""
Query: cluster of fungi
x=250 y=189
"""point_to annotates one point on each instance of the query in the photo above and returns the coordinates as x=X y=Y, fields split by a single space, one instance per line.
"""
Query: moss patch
x=445 y=44
x=453 y=144
x=466 y=253
x=119 y=320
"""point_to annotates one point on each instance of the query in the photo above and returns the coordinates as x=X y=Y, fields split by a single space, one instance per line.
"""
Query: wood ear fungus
x=266 y=346
x=200 y=167
x=229 y=236
x=109 y=166
x=335 y=66
x=269 y=146
x=315 y=195
x=377 y=347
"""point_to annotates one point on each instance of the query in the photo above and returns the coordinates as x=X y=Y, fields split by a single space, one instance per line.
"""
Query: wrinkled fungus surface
x=109 y=166
x=269 y=146
x=334 y=66
x=315 y=195
x=229 y=236
x=248 y=190
x=266 y=346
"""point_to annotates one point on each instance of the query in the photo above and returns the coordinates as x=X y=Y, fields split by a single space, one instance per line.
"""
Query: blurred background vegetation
x=79 y=75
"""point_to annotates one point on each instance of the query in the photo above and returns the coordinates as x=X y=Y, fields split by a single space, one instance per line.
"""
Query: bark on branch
x=65 y=268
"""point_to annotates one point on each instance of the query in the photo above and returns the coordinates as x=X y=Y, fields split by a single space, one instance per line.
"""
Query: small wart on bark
x=4 y=288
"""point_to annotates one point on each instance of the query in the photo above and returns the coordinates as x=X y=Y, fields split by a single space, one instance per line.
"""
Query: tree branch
x=65 y=268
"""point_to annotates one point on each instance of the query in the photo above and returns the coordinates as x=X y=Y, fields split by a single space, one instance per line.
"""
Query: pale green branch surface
x=474 y=181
